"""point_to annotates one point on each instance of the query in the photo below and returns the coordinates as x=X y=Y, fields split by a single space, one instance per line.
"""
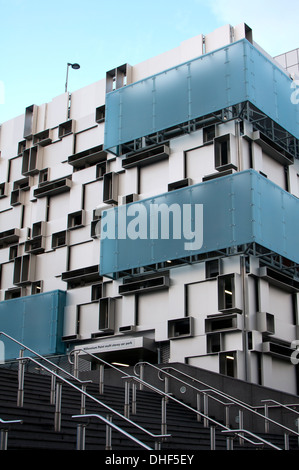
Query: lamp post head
x=75 y=66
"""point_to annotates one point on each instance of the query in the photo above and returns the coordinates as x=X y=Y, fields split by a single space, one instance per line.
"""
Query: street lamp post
x=75 y=67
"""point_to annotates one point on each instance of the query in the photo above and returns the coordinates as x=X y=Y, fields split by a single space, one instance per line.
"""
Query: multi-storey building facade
x=204 y=136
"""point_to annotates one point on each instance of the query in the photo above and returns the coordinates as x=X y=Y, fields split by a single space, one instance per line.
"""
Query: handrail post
x=266 y=418
x=101 y=381
x=3 y=439
x=241 y=426
x=127 y=399
x=83 y=400
x=286 y=441
x=166 y=386
x=229 y=443
x=21 y=371
x=141 y=376
x=198 y=406
x=57 y=416
x=158 y=445
x=206 y=409
x=108 y=434
x=164 y=415
x=76 y=364
x=53 y=387
x=81 y=436
x=134 y=398
x=227 y=414
x=213 y=437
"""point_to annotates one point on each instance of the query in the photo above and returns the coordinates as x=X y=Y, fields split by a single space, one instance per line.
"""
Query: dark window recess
x=273 y=149
x=59 y=239
x=76 y=220
x=179 y=184
x=42 y=138
x=180 y=328
x=96 y=291
x=214 y=343
x=13 y=293
x=110 y=188
x=81 y=277
x=265 y=323
x=21 y=147
x=222 y=322
x=3 y=190
x=22 y=184
x=144 y=285
x=101 y=169
x=279 y=279
x=16 y=197
x=23 y=269
x=212 y=268
x=9 y=237
x=209 y=133
x=118 y=77
x=222 y=149
x=95 y=228
x=217 y=175
x=106 y=317
x=277 y=349
x=30 y=121
x=36 y=287
x=128 y=198
x=13 y=252
x=36 y=245
x=52 y=188
x=146 y=156
x=30 y=162
x=127 y=329
x=38 y=229
x=66 y=128
x=227 y=293
x=100 y=114
x=88 y=157
x=228 y=363
x=43 y=176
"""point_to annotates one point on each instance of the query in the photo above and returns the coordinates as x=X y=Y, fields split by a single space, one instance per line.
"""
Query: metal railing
x=109 y=424
x=128 y=379
x=4 y=428
x=261 y=440
x=57 y=415
x=165 y=398
x=212 y=422
x=207 y=393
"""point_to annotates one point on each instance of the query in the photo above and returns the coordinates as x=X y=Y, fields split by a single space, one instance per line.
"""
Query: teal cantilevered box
x=237 y=209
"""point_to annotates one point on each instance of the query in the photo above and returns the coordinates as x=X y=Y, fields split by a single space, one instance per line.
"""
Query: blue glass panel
x=234 y=74
x=238 y=209
x=36 y=321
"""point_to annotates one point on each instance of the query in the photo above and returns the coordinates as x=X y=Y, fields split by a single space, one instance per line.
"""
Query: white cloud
x=274 y=22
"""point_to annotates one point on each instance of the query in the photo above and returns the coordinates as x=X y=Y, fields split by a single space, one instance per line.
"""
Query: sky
x=38 y=38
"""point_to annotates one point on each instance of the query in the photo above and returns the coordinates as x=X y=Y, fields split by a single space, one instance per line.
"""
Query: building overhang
x=222 y=215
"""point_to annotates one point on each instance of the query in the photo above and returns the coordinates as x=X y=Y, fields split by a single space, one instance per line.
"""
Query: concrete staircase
x=37 y=430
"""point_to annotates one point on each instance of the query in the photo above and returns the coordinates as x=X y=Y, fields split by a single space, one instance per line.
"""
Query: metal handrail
x=214 y=390
x=211 y=420
x=151 y=387
x=287 y=407
x=83 y=392
x=95 y=357
x=43 y=358
x=262 y=441
x=114 y=426
x=4 y=431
